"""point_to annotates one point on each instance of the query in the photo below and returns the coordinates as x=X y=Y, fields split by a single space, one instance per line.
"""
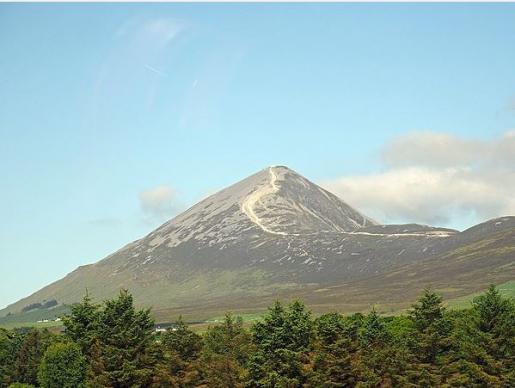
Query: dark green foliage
x=282 y=342
x=379 y=360
x=114 y=345
x=63 y=366
x=181 y=348
x=81 y=325
x=491 y=310
x=32 y=306
x=334 y=349
x=432 y=328
x=29 y=354
x=229 y=339
x=373 y=333
x=182 y=341
x=9 y=343
x=226 y=352
x=125 y=336
x=482 y=343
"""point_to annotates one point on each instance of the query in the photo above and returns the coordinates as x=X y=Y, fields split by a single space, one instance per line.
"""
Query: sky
x=116 y=117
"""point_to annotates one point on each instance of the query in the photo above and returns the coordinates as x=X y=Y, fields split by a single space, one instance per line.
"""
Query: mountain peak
x=275 y=201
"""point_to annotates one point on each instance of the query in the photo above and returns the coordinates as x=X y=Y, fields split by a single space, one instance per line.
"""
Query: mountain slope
x=273 y=233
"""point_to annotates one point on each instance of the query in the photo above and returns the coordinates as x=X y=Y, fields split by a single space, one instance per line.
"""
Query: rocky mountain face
x=272 y=232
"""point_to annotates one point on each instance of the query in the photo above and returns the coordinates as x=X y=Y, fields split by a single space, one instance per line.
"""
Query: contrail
x=154 y=70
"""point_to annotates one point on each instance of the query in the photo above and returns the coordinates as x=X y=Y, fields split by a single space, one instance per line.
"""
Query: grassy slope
x=460 y=272
x=457 y=274
x=506 y=289
x=29 y=319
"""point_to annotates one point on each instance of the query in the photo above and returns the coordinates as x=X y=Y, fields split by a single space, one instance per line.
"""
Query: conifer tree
x=332 y=355
x=181 y=347
x=180 y=340
x=81 y=325
x=432 y=327
x=282 y=340
x=29 y=355
x=8 y=350
x=126 y=336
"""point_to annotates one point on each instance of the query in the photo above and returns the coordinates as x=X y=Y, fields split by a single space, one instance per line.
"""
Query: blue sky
x=115 y=117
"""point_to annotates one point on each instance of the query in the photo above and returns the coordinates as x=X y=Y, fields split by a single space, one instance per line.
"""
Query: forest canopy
x=113 y=344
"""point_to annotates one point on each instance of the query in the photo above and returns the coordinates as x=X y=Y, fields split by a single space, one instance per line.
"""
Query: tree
x=495 y=329
x=181 y=347
x=332 y=353
x=29 y=355
x=330 y=328
x=282 y=341
x=227 y=348
x=374 y=333
x=63 y=366
x=482 y=342
x=81 y=325
x=380 y=361
x=432 y=327
x=229 y=339
x=180 y=340
x=8 y=349
x=491 y=309
x=126 y=339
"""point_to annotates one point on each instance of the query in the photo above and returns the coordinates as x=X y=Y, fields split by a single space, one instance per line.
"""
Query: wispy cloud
x=163 y=30
x=437 y=178
x=154 y=70
x=139 y=47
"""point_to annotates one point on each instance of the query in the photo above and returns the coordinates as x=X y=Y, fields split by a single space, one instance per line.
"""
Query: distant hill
x=275 y=234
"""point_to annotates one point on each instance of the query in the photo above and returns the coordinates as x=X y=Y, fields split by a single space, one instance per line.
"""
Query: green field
x=31 y=318
x=506 y=289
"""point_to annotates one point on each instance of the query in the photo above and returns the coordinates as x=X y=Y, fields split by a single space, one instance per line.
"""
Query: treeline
x=115 y=345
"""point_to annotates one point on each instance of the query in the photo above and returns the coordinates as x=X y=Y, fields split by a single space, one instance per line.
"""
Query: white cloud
x=438 y=179
x=431 y=149
x=158 y=203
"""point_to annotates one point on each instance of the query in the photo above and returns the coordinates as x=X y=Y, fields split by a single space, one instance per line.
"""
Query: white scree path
x=248 y=204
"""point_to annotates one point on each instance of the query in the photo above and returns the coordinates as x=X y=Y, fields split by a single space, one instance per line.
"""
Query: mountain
x=276 y=234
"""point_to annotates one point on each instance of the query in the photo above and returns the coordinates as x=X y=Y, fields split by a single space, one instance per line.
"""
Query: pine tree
x=432 y=327
x=8 y=349
x=374 y=333
x=29 y=355
x=380 y=361
x=126 y=337
x=229 y=339
x=81 y=325
x=495 y=323
x=227 y=348
x=181 y=347
x=491 y=308
x=283 y=340
x=180 y=340
x=332 y=354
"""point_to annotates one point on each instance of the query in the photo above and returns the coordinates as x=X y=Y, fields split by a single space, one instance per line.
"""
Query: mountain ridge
x=272 y=233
